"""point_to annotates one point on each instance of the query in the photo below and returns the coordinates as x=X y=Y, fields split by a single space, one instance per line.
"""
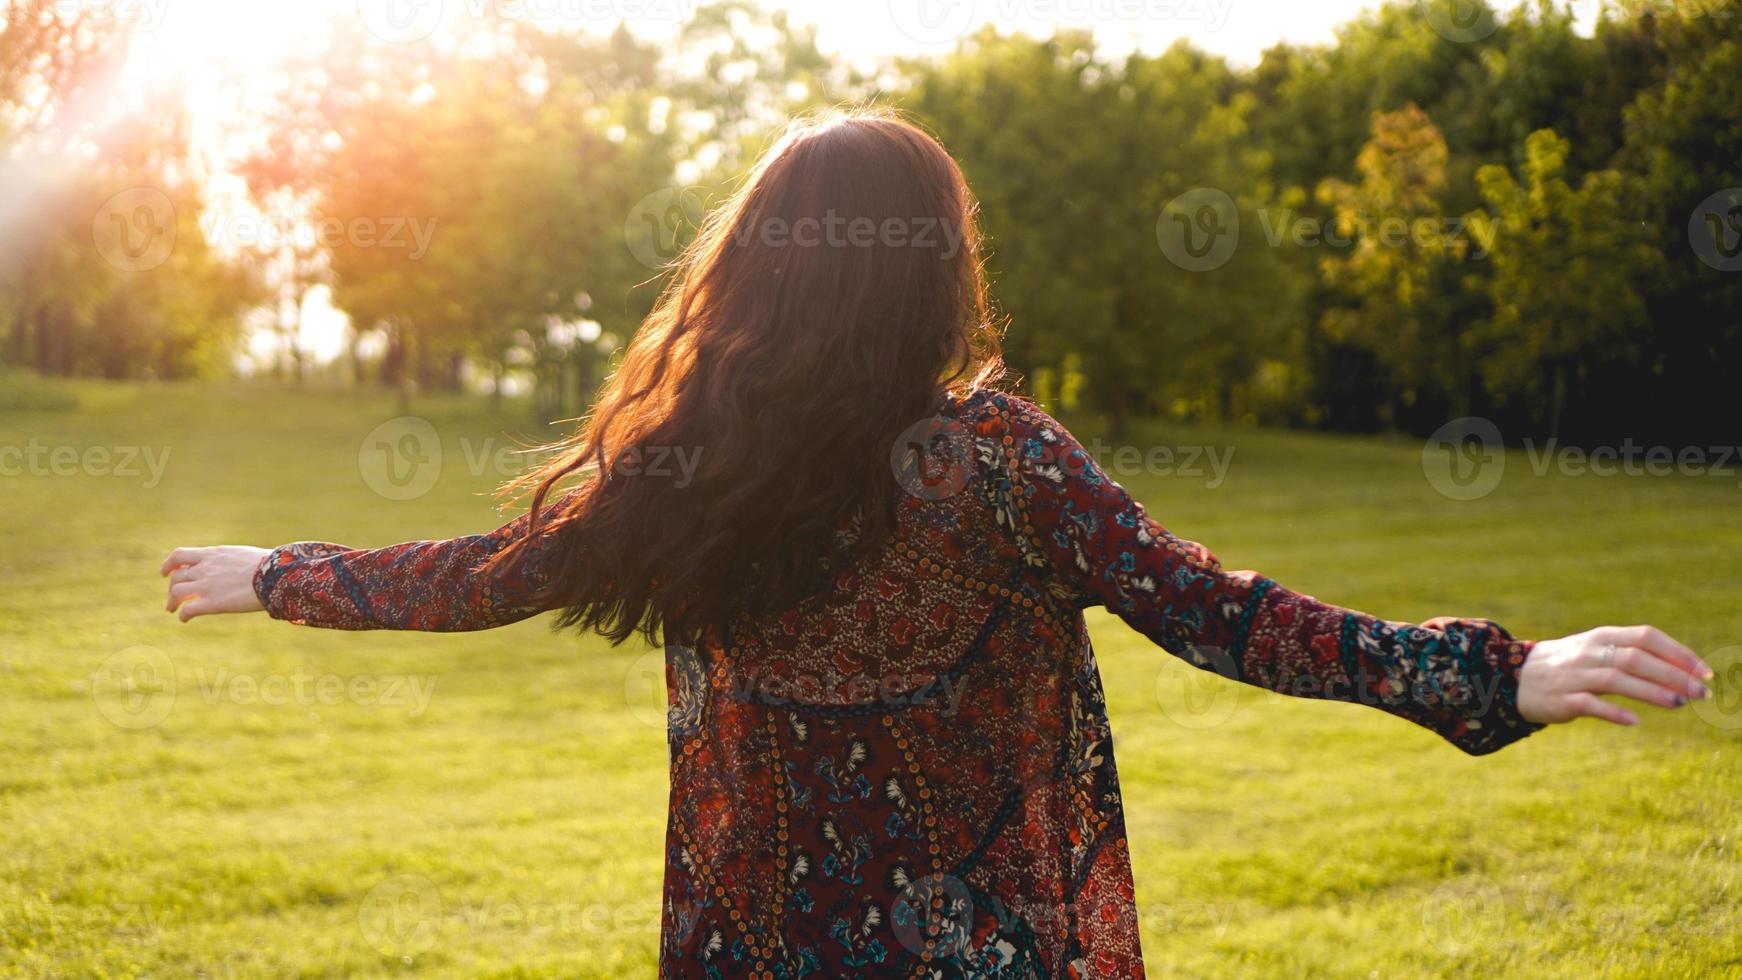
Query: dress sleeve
x=1457 y=677
x=435 y=586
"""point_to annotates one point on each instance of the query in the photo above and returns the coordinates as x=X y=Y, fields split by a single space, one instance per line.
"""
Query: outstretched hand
x=1561 y=679
x=203 y=581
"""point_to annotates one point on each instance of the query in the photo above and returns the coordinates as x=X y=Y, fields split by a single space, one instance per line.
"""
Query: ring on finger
x=1608 y=655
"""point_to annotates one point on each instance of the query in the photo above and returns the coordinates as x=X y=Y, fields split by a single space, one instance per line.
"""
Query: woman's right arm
x=437 y=586
x=1466 y=679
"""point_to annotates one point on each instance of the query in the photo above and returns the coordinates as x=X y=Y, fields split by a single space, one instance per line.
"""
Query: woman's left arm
x=436 y=586
x=1467 y=679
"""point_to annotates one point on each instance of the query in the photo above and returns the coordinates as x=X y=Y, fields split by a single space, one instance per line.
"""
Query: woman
x=889 y=747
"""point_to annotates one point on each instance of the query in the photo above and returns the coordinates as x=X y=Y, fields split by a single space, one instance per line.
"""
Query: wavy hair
x=822 y=309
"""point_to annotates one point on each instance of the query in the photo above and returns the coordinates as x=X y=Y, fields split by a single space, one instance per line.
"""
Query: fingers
x=180 y=557
x=1590 y=705
x=180 y=592
x=1659 y=643
x=1642 y=663
x=198 y=606
x=1616 y=681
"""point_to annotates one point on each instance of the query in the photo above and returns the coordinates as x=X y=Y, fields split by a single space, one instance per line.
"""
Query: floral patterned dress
x=912 y=774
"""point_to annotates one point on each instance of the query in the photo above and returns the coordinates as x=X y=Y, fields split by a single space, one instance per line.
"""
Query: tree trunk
x=1559 y=400
x=1118 y=413
x=425 y=364
x=393 y=361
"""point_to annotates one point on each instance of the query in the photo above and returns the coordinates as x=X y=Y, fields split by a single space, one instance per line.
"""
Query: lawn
x=237 y=797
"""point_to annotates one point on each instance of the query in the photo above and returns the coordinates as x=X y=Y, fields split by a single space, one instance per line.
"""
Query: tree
x=1398 y=275
x=1569 y=274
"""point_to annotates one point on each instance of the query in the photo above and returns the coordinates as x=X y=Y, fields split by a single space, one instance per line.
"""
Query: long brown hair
x=822 y=309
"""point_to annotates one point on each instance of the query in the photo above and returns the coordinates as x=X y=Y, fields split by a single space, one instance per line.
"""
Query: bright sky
x=196 y=45
x=189 y=34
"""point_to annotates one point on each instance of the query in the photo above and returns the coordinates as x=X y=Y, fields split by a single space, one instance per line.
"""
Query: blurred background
x=1424 y=307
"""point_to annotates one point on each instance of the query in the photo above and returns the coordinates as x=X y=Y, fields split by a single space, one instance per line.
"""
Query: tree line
x=1436 y=215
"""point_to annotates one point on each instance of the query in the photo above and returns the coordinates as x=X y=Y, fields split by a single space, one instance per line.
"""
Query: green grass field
x=237 y=797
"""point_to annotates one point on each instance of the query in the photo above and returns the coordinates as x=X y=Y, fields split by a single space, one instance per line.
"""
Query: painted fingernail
x=1677 y=701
